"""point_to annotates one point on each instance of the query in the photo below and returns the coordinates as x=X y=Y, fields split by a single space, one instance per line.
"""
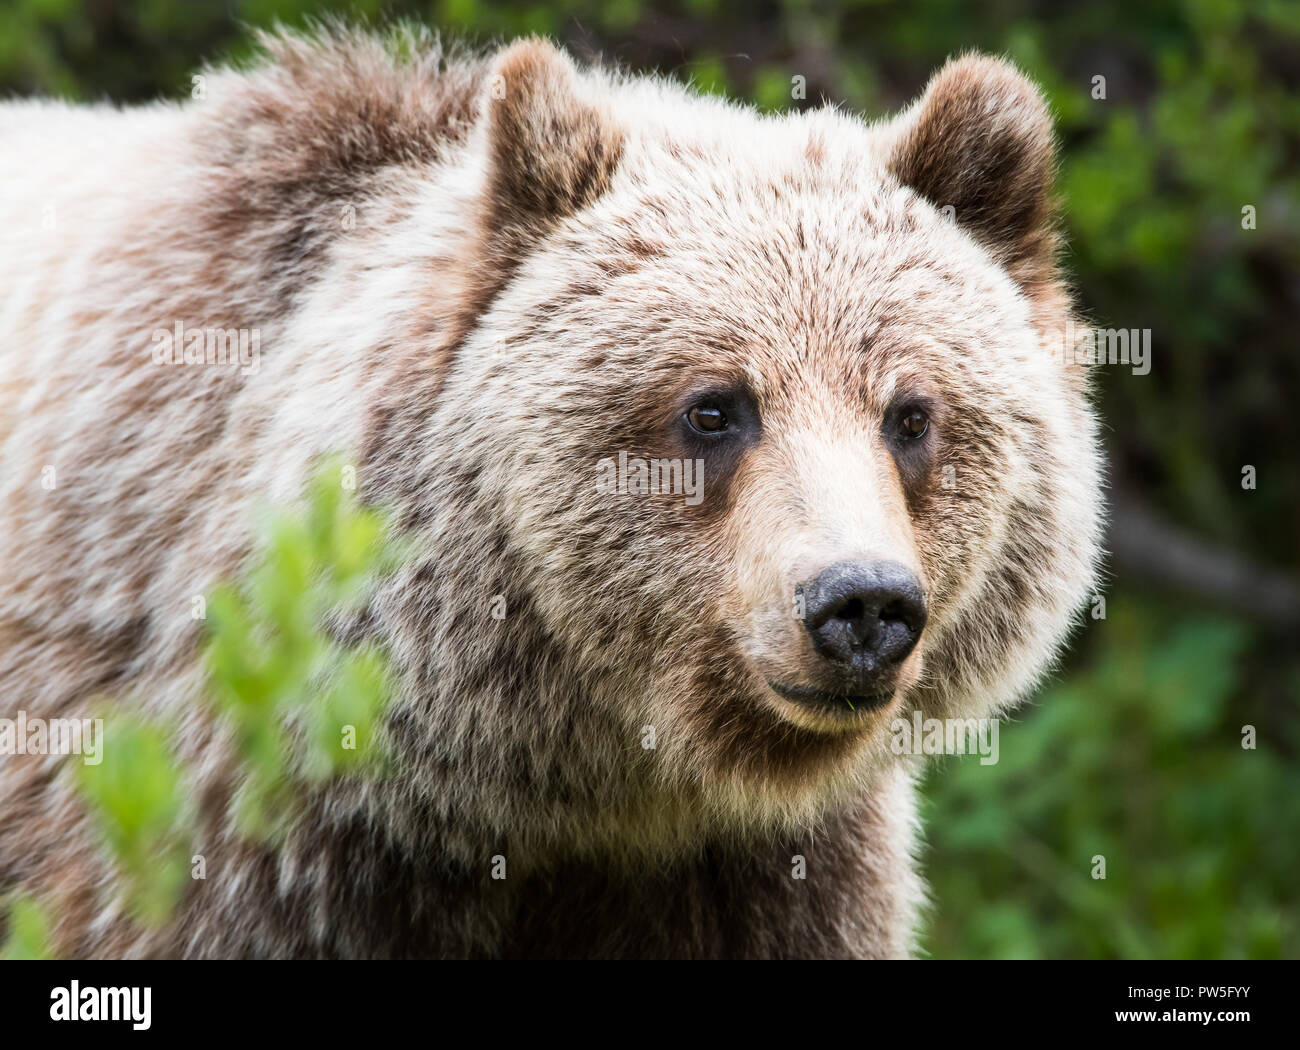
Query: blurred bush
x=1134 y=751
x=1137 y=758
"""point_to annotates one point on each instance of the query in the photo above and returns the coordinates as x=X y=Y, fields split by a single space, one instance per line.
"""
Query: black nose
x=867 y=615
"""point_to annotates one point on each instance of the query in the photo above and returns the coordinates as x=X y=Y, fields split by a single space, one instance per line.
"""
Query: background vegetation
x=1134 y=751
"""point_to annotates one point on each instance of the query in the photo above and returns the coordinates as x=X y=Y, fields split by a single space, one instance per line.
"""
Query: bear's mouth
x=834 y=703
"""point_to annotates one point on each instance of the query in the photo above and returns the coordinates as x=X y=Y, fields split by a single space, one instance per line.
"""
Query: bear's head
x=759 y=434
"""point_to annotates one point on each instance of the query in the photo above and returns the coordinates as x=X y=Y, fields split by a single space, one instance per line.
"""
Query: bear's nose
x=866 y=615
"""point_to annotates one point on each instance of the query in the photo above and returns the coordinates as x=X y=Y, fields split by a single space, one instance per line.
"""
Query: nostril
x=896 y=610
x=853 y=609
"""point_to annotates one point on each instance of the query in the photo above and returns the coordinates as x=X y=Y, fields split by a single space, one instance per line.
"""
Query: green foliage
x=1138 y=759
x=30 y=929
x=137 y=800
x=302 y=707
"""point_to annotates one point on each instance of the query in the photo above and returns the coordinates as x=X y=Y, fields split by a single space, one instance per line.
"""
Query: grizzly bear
x=512 y=290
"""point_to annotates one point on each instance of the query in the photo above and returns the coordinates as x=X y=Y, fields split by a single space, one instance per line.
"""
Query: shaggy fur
x=539 y=268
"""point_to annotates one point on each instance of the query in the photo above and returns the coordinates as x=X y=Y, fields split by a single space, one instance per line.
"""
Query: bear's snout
x=864 y=618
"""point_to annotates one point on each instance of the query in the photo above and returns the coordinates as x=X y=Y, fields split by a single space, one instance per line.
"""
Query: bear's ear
x=550 y=149
x=980 y=140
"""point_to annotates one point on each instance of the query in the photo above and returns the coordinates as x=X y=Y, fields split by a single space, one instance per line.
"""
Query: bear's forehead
x=795 y=334
x=754 y=262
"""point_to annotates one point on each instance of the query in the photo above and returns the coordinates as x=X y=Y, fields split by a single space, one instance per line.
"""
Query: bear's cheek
x=956 y=506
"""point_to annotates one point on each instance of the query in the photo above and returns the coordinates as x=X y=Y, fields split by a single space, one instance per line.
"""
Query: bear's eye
x=913 y=424
x=707 y=419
